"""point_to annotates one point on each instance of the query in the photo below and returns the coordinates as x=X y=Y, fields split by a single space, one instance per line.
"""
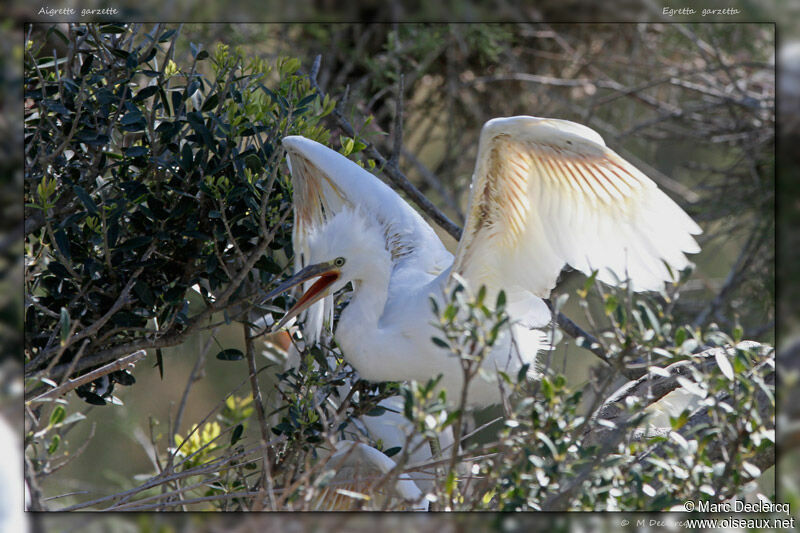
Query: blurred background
x=656 y=93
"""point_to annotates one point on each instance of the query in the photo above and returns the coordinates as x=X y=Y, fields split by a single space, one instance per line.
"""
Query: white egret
x=545 y=193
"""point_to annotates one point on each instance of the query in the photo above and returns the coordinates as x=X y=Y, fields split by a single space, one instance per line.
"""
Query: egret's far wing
x=546 y=193
x=324 y=183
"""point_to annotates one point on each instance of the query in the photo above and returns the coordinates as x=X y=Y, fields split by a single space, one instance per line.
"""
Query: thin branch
x=123 y=363
x=653 y=386
x=397 y=145
x=267 y=483
x=746 y=257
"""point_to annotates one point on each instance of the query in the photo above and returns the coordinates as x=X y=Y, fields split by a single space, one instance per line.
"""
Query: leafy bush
x=146 y=179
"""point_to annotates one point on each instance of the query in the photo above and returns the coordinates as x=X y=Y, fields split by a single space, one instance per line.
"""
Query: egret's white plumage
x=358 y=470
x=545 y=193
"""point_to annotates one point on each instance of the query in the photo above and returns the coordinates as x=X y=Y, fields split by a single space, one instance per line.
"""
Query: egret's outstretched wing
x=546 y=193
x=325 y=182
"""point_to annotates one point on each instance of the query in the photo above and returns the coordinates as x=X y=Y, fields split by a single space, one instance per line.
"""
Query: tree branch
x=652 y=387
x=120 y=364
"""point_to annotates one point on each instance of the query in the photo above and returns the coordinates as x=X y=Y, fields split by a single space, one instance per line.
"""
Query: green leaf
x=590 y=281
x=73 y=418
x=522 y=375
x=692 y=387
x=56 y=440
x=434 y=306
x=63 y=243
x=135 y=151
x=196 y=121
x=651 y=317
x=501 y=300
x=481 y=295
x=678 y=422
x=112 y=28
x=392 y=451
x=58 y=269
x=547 y=388
x=144 y=293
x=51 y=62
x=450 y=483
x=131 y=118
x=211 y=102
x=289 y=66
x=88 y=59
x=65 y=326
x=145 y=93
x=237 y=434
x=738 y=333
x=547 y=442
x=58 y=415
x=439 y=342
x=160 y=363
x=166 y=36
x=84 y=197
x=231 y=354
x=120 y=53
x=680 y=336
x=60 y=34
x=347 y=144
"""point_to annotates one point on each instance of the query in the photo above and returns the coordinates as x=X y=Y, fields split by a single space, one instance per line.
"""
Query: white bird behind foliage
x=545 y=193
x=360 y=465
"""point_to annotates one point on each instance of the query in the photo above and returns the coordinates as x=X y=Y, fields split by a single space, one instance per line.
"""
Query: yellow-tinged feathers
x=547 y=193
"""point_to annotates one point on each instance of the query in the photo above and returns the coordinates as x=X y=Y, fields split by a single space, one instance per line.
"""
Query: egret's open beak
x=327 y=274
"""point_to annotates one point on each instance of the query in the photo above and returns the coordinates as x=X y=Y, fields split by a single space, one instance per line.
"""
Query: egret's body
x=545 y=193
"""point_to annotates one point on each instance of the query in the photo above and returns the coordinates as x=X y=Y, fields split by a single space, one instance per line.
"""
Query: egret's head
x=348 y=247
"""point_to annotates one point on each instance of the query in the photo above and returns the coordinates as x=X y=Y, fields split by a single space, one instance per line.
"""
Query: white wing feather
x=324 y=183
x=359 y=468
x=546 y=193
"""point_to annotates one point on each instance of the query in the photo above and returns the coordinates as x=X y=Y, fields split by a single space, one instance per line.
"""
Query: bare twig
x=266 y=469
x=120 y=364
x=743 y=262
x=397 y=134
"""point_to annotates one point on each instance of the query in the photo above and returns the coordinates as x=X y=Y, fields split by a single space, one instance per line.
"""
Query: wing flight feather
x=546 y=193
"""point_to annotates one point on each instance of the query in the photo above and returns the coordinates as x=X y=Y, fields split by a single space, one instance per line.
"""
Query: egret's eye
x=339 y=261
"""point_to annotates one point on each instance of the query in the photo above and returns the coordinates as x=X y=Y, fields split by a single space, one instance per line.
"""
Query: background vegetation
x=154 y=167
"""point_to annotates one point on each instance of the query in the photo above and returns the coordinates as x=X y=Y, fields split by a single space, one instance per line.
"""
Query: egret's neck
x=358 y=333
x=370 y=291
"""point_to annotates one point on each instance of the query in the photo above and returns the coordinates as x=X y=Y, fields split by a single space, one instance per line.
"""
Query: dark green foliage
x=145 y=179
